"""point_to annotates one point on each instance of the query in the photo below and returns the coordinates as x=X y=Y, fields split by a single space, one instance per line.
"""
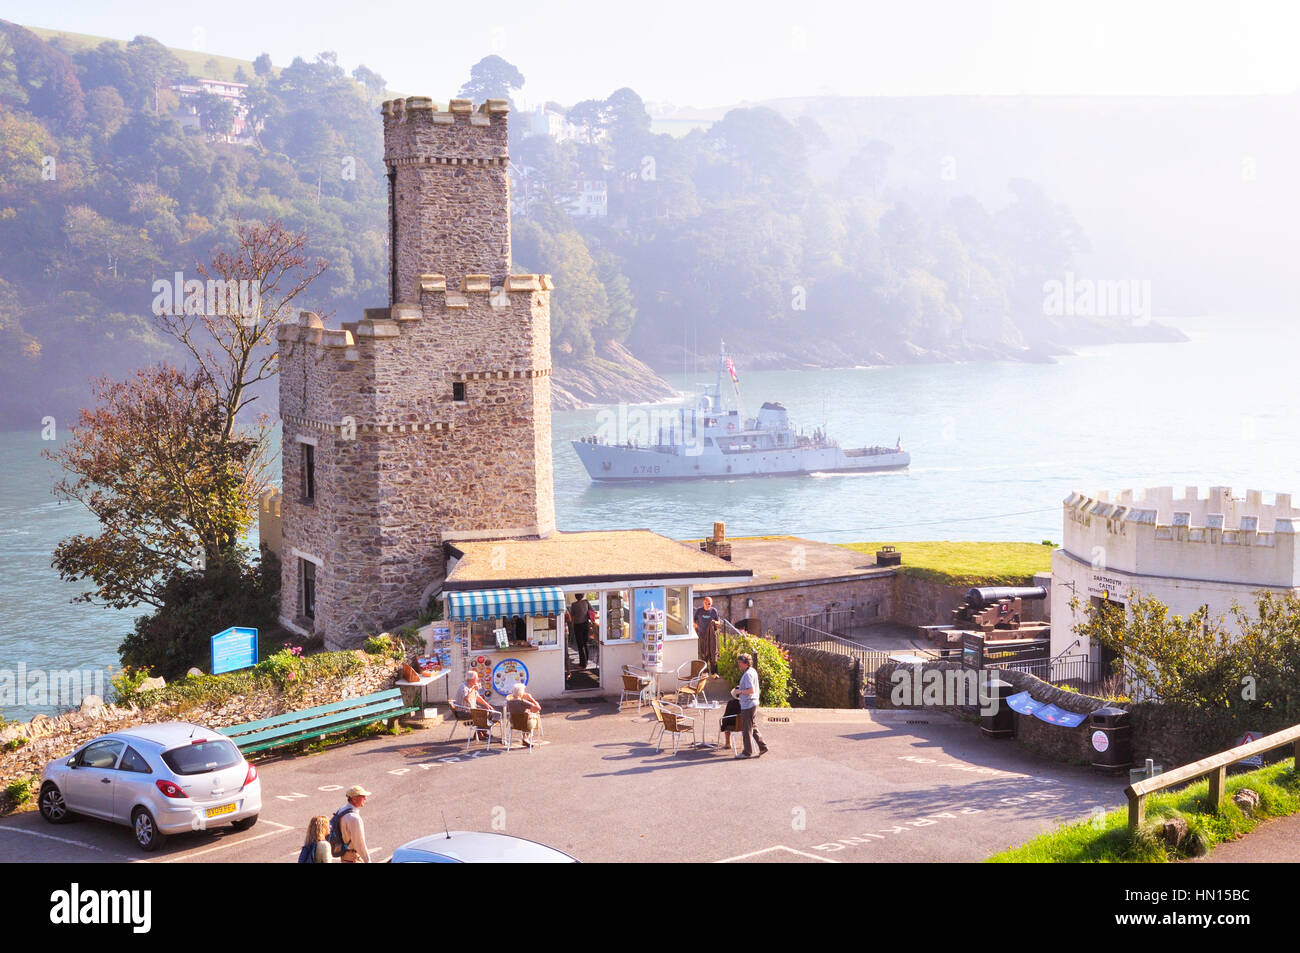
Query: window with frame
x=458 y=391
x=677 y=610
x=307 y=573
x=616 y=619
x=308 y=472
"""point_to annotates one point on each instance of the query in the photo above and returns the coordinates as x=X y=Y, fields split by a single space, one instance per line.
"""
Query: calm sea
x=995 y=448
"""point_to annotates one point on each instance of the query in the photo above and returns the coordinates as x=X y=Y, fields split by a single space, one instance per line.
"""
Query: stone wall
x=825 y=679
x=53 y=737
x=870 y=597
x=1052 y=741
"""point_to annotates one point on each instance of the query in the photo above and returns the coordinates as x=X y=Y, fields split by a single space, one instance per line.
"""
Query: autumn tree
x=170 y=491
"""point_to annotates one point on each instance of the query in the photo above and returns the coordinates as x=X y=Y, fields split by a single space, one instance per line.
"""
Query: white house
x=1188 y=552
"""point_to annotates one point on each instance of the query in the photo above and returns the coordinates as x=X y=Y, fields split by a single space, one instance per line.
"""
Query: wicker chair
x=519 y=722
x=692 y=678
x=635 y=685
x=675 y=723
x=482 y=722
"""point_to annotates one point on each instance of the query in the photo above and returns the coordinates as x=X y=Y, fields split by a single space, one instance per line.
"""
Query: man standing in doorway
x=748 y=692
x=580 y=623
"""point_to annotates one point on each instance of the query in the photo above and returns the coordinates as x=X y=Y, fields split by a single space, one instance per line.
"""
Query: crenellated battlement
x=1217 y=537
x=1183 y=516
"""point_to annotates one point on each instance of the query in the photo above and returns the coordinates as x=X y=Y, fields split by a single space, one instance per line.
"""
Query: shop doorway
x=582 y=642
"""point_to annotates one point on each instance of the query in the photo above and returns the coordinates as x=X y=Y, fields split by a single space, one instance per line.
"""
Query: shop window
x=520 y=633
x=458 y=391
x=307 y=573
x=616 y=620
x=677 y=606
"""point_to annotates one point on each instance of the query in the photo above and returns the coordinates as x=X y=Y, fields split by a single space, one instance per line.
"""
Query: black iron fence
x=1077 y=671
x=818 y=631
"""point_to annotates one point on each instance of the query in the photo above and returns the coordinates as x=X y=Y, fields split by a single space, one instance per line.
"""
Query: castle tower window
x=308 y=473
x=458 y=391
x=307 y=571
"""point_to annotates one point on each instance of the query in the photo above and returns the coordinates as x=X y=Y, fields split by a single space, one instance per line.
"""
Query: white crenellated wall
x=1187 y=550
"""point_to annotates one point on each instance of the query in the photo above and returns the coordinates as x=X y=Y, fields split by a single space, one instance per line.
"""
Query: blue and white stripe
x=495 y=603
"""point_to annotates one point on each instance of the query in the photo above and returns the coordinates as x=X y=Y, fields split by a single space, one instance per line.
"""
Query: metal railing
x=1077 y=670
x=1215 y=766
x=818 y=631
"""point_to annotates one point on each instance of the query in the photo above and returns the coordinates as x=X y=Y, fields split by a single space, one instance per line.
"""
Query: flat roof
x=780 y=561
x=584 y=558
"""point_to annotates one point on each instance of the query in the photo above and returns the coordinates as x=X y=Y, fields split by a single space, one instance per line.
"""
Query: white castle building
x=1188 y=552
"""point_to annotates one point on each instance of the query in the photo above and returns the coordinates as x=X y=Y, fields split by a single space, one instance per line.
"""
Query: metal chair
x=520 y=722
x=675 y=723
x=635 y=685
x=459 y=715
x=482 y=722
x=693 y=681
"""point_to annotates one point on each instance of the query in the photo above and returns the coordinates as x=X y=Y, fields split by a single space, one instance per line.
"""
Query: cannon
x=977 y=597
x=992 y=608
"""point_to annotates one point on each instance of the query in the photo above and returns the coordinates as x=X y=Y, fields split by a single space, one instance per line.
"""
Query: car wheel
x=146 y=830
x=53 y=808
x=244 y=823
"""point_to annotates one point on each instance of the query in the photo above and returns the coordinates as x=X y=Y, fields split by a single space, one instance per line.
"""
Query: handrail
x=1216 y=766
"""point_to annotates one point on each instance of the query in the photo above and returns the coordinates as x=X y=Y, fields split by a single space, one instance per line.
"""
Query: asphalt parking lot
x=838 y=786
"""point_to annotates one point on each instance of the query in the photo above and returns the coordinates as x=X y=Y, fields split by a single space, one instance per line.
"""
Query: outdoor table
x=704 y=709
x=423 y=683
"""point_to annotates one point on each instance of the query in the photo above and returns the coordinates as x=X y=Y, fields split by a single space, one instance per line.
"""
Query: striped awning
x=494 y=603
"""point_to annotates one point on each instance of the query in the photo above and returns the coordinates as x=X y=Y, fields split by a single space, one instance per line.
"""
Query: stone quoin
x=427 y=420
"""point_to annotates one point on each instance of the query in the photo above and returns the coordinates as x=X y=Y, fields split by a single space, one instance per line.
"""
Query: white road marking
x=61 y=840
x=243 y=840
x=768 y=850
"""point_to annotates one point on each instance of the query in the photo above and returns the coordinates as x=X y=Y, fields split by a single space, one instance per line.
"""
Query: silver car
x=477 y=847
x=159 y=779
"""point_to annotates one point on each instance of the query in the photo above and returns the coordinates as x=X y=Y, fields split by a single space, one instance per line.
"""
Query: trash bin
x=1111 y=739
x=1002 y=723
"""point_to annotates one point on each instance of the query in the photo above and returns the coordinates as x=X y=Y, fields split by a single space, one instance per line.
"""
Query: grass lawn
x=969 y=564
x=1105 y=839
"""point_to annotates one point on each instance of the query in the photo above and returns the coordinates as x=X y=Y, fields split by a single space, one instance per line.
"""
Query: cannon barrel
x=979 y=597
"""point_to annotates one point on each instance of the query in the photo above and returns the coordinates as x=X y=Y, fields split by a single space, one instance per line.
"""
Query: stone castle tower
x=427 y=420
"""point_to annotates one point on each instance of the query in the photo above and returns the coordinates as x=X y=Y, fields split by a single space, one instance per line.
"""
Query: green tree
x=492 y=78
x=168 y=488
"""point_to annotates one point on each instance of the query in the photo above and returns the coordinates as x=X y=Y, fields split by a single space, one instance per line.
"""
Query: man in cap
x=352 y=829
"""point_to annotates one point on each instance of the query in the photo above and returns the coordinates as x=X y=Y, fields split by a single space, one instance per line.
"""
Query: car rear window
x=202 y=757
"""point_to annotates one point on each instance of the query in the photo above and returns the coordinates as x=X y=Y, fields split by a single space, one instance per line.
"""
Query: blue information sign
x=1059 y=716
x=234 y=649
x=1022 y=703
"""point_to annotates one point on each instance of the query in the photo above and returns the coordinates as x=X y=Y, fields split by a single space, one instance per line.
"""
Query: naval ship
x=712 y=438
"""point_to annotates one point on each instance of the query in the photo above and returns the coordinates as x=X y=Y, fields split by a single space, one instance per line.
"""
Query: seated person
x=522 y=702
x=730 y=720
x=468 y=697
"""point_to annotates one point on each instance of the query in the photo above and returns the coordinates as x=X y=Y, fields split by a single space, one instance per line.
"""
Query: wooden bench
x=1215 y=766
x=312 y=723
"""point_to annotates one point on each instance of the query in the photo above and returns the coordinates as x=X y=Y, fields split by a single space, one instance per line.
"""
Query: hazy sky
x=707 y=54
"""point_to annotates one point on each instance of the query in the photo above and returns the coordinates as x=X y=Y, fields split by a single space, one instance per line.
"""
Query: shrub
x=770 y=660
x=19 y=791
x=282 y=667
x=384 y=644
x=198 y=605
x=126 y=685
x=13 y=744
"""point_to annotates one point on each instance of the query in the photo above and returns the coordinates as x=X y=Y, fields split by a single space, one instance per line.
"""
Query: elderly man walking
x=748 y=693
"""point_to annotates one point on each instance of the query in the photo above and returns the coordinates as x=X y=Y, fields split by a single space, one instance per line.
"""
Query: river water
x=995 y=448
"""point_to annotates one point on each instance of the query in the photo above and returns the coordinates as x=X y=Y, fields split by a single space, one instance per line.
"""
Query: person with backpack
x=316 y=848
x=347 y=832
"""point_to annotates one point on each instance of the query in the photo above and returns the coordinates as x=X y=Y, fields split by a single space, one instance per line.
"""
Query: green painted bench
x=312 y=723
